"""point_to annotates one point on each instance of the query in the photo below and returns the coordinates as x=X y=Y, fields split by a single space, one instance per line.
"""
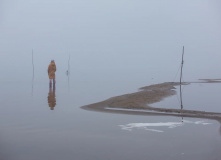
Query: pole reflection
x=181 y=99
x=32 y=85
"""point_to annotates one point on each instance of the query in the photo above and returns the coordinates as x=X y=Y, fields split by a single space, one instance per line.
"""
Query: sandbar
x=138 y=103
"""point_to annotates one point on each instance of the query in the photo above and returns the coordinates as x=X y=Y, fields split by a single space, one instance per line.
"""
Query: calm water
x=196 y=96
x=31 y=130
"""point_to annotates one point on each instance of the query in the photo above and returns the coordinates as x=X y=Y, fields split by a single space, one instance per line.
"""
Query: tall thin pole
x=33 y=75
x=33 y=63
x=68 y=72
x=181 y=75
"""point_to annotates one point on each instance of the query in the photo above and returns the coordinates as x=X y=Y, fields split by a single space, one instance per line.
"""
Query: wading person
x=51 y=73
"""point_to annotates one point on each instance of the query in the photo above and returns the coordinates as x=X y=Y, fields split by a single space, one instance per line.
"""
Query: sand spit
x=209 y=81
x=138 y=102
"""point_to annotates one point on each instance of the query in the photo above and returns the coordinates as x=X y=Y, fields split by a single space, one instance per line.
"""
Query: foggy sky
x=108 y=38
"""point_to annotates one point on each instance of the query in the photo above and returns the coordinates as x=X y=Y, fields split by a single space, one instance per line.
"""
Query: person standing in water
x=51 y=72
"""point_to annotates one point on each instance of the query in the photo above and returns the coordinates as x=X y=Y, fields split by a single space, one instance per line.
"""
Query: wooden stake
x=33 y=75
x=181 y=75
x=33 y=63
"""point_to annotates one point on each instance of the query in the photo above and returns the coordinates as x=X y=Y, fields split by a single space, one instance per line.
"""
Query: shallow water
x=195 y=96
x=31 y=130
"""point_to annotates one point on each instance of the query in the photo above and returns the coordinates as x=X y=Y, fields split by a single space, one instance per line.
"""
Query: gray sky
x=111 y=37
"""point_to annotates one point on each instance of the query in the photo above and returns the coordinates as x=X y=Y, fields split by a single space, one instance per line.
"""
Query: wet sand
x=139 y=102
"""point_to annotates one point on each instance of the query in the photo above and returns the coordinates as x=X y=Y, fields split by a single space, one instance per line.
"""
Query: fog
x=115 y=47
x=114 y=40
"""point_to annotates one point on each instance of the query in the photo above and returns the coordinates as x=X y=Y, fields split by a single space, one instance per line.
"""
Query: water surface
x=31 y=130
x=195 y=96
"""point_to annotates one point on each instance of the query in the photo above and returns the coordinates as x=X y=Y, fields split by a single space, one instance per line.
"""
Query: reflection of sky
x=110 y=38
x=29 y=129
x=199 y=96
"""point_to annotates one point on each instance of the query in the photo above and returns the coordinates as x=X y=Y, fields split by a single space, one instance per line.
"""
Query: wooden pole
x=33 y=63
x=68 y=72
x=33 y=75
x=181 y=75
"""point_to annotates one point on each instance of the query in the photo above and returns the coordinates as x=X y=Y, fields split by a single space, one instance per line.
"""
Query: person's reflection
x=51 y=97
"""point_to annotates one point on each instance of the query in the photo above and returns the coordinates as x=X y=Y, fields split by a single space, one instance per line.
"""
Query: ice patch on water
x=154 y=130
x=145 y=126
x=130 y=126
x=197 y=122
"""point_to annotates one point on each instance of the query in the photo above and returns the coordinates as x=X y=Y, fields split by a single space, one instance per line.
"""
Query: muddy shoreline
x=138 y=103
